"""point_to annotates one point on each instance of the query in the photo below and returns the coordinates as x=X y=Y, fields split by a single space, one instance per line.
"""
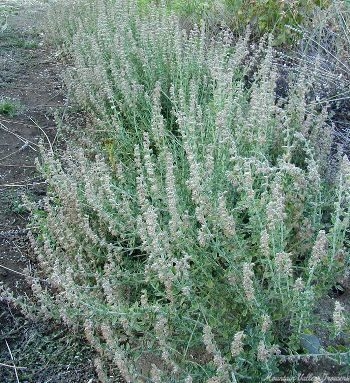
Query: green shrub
x=263 y=16
x=274 y=16
x=190 y=229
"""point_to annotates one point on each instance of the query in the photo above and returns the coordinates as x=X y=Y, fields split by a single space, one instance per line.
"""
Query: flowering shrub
x=191 y=227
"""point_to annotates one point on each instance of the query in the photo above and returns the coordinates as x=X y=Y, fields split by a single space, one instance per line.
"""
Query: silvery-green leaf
x=311 y=343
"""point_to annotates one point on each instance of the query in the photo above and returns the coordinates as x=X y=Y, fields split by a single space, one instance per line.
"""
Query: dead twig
x=27 y=276
x=18 y=166
x=14 y=366
x=22 y=185
x=44 y=133
x=24 y=140
x=23 y=123
x=9 y=365
x=24 y=146
x=13 y=271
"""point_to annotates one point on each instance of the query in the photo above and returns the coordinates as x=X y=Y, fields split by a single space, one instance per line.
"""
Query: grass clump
x=192 y=227
x=325 y=49
x=9 y=107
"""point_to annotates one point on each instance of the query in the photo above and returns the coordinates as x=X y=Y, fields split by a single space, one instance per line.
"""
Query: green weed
x=9 y=107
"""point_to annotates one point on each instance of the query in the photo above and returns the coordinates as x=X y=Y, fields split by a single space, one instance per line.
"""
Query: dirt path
x=30 y=88
x=30 y=93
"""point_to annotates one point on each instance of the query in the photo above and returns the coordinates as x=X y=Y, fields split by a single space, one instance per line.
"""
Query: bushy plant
x=190 y=229
x=274 y=16
x=263 y=16
x=324 y=49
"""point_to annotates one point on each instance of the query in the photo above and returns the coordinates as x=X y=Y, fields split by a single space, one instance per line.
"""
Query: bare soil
x=30 y=84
